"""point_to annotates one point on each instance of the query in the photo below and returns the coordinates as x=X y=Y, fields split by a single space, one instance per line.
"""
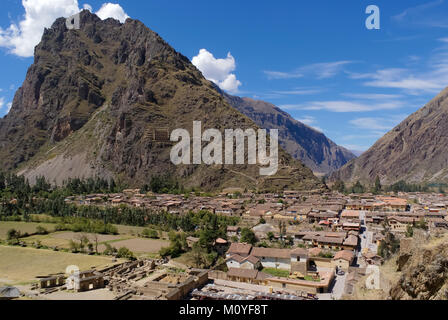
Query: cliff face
x=414 y=151
x=101 y=101
x=424 y=274
x=312 y=147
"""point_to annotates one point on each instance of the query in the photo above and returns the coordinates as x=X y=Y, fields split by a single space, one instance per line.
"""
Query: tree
x=109 y=251
x=73 y=246
x=90 y=247
x=290 y=240
x=248 y=236
x=41 y=230
x=125 y=253
x=390 y=244
x=2 y=181
x=173 y=251
x=197 y=255
x=13 y=235
x=358 y=188
x=270 y=235
x=282 y=229
x=262 y=221
x=422 y=224
x=150 y=233
x=324 y=180
x=96 y=240
x=377 y=188
x=409 y=231
x=339 y=186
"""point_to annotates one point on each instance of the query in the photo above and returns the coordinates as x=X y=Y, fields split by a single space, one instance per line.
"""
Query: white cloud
x=307 y=120
x=378 y=125
x=283 y=75
x=431 y=79
x=310 y=122
x=112 y=10
x=372 y=96
x=298 y=92
x=21 y=38
x=428 y=14
x=218 y=71
x=323 y=70
x=345 y=106
x=2 y=105
x=88 y=7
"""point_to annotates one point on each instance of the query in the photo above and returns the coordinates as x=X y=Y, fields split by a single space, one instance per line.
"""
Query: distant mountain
x=304 y=143
x=357 y=153
x=102 y=101
x=414 y=151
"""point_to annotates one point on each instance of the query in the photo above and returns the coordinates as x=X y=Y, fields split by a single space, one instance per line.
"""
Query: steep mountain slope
x=414 y=151
x=424 y=272
x=102 y=101
x=311 y=147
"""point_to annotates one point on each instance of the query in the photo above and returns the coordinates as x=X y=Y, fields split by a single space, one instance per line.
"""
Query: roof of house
x=314 y=252
x=240 y=248
x=272 y=253
x=242 y=273
x=351 y=241
x=344 y=255
x=299 y=252
x=252 y=259
x=236 y=257
x=220 y=241
x=350 y=214
x=330 y=240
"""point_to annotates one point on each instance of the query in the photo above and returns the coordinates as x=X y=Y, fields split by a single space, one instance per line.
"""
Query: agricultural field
x=128 y=237
x=23 y=265
x=23 y=227
x=138 y=245
x=62 y=239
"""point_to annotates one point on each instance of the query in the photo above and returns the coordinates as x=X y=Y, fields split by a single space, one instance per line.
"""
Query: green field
x=23 y=227
x=22 y=265
x=277 y=272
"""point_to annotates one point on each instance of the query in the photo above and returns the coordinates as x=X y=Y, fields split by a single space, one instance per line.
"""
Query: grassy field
x=22 y=265
x=23 y=227
x=277 y=272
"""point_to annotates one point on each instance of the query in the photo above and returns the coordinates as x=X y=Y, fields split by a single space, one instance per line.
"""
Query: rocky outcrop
x=424 y=274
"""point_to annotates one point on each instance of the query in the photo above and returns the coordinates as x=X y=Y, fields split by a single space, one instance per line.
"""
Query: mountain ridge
x=95 y=99
x=302 y=142
x=414 y=151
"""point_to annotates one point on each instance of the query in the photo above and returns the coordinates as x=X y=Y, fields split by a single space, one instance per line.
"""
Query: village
x=304 y=245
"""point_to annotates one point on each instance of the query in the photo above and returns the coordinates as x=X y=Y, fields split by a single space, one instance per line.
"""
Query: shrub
x=125 y=253
x=41 y=230
x=150 y=233
x=13 y=234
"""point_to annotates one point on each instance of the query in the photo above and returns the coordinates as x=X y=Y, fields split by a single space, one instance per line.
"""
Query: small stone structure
x=52 y=282
x=85 y=281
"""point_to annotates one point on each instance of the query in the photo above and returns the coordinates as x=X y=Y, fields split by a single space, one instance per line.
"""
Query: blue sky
x=315 y=59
